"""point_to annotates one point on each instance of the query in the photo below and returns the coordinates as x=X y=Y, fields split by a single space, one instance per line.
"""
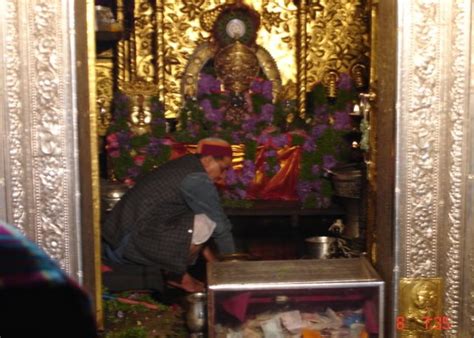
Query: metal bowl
x=319 y=246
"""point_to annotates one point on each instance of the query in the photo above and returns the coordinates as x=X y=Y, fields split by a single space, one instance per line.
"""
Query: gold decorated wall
x=310 y=42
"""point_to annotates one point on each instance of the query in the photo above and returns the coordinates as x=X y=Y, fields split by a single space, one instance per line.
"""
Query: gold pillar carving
x=144 y=48
x=160 y=56
x=136 y=53
x=301 y=56
x=140 y=60
x=105 y=87
x=122 y=49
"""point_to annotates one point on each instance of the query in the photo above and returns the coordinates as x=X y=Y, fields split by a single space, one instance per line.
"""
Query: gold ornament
x=207 y=18
x=140 y=117
x=421 y=308
x=237 y=66
x=330 y=80
x=359 y=75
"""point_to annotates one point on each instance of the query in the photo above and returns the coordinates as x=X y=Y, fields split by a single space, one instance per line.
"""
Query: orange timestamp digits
x=400 y=323
x=431 y=323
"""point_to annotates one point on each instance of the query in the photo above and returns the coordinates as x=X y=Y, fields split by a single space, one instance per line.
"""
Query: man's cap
x=214 y=147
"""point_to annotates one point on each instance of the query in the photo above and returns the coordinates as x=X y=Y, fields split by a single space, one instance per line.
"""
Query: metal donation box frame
x=312 y=283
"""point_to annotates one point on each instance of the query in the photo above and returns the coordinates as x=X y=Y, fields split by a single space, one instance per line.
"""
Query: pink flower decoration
x=112 y=142
x=167 y=141
x=112 y=138
x=129 y=182
x=114 y=153
x=139 y=160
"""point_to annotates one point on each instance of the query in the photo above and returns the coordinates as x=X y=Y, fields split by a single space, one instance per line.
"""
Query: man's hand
x=188 y=283
x=209 y=254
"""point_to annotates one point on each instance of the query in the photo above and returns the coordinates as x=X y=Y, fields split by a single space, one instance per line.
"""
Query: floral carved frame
x=433 y=165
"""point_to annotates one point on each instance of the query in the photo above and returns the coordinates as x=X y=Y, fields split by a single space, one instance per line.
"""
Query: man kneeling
x=165 y=220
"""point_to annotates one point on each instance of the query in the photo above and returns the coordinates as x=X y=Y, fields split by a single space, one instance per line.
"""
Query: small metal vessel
x=196 y=313
x=319 y=247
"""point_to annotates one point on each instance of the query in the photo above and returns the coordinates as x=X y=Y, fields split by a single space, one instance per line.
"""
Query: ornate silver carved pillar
x=468 y=296
x=434 y=150
x=39 y=160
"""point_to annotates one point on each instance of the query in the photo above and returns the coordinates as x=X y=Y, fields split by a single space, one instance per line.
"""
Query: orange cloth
x=307 y=333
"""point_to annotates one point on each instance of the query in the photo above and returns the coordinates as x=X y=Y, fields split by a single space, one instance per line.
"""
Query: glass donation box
x=295 y=298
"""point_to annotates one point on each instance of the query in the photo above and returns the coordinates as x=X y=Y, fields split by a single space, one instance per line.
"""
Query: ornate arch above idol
x=233 y=53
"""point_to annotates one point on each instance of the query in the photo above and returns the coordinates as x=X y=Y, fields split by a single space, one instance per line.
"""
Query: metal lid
x=290 y=273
